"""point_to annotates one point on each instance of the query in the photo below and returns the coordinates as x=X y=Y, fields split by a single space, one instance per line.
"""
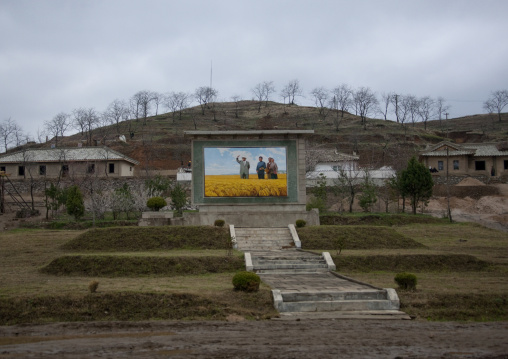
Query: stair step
x=289 y=265
x=308 y=270
x=280 y=264
x=330 y=306
x=319 y=296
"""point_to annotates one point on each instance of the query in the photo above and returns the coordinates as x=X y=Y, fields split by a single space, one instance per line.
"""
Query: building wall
x=75 y=169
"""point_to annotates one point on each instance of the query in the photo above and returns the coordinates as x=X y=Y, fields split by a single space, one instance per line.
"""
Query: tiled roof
x=65 y=154
x=331 y=156
x=464 y=149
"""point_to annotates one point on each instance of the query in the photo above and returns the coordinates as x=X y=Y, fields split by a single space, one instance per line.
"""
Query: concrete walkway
x=304 y=284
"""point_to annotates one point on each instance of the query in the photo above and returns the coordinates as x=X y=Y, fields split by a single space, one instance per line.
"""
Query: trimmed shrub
x=219 y=223
x=406 y=281
x=300 y=223
x=156 y=203
x=246 y=281
x=92 y=286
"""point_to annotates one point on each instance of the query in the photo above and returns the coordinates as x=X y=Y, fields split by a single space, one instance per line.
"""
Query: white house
x=331 y=163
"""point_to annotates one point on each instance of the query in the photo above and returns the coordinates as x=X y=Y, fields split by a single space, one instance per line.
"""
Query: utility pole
x=448 y=186
x=397 y=107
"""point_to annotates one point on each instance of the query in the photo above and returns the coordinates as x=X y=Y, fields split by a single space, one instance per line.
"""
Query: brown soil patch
x=470 y=181
x=325 y=338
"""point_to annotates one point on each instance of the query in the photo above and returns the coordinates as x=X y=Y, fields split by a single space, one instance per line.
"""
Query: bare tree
x=401 y=108
x=141 y=105
x=365 y=103
x=386 y=100
x=441 y=109
x=41 y=134
x=262 y=91
x=236 y=99
x=334 y=105
x=347 y=184
x=58 y=125
x=413 y=105
x=291 y=90
x=496 y=102
x=157 y=99
x=343 y=95
x=87 y=119
x=12 y=133
x=204 y=95
x=426 y=109
x=320 y=95
x=116 y=112
x=177 y=101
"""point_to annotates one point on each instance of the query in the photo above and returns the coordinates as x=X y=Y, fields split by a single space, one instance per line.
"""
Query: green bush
x=75 y=204
x=246 y=281
x=406 y=281
x=316 y=203
x=156 y=203
x=300 y=223
x=219 y=223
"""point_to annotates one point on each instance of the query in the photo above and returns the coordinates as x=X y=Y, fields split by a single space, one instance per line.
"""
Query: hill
x=158 y=142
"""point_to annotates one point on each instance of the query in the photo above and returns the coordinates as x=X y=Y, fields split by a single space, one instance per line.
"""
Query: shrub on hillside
x=156 y=203
x=300 y=223
x=406 y=281
x=246 y=281
x=219 y=223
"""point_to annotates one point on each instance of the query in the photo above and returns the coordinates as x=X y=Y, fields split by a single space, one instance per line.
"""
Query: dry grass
x=481 y=294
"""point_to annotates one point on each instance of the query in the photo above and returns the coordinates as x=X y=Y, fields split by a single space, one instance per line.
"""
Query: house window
x=2 y=169
x=21 y=170
x=505 y=166
x=91 y=168
x=455 y=164
x=440 y=166
x=65 y=170
x=130 y=169
x=42 y=170
x=111 y=168
x=479 y=165
x=336 y=168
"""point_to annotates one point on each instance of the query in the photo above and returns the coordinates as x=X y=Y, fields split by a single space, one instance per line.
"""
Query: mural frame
x=198 y=171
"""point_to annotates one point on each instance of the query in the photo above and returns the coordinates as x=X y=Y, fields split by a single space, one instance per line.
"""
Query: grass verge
x=128 y=266
x=135 y=306
x=354 y=237
x=150 y=238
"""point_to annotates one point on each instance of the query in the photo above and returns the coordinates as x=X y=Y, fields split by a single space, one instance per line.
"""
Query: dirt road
x=257 y=339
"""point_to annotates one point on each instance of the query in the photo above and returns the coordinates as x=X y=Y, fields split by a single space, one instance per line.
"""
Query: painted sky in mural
x=222 y=160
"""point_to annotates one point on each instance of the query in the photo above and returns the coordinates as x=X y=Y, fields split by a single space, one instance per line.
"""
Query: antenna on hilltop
x=211 y=73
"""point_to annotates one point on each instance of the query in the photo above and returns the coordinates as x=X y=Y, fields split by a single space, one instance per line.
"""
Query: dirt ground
x=274 y=338
x=258 y=339
x=489 y=211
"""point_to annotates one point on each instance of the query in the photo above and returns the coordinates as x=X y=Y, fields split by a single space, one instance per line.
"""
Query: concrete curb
x=294 y=234
x=277 y=299
x=249 y=267
x=329 y=261
x=232 y=233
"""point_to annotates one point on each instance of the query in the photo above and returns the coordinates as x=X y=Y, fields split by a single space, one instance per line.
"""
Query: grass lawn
x=44 y=274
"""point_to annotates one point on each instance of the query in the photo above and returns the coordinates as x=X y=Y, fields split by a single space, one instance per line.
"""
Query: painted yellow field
x=234 y=186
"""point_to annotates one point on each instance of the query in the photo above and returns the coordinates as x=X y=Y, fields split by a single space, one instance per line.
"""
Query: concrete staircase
x=306 y=283
x=287 y=262
x=263 y=238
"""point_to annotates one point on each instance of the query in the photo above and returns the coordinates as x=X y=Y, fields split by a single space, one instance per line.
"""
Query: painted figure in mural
x=260 y=168
x=244 y=167
x=273 y=168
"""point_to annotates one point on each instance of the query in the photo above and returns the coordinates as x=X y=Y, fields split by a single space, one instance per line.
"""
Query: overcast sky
x=58 y=55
